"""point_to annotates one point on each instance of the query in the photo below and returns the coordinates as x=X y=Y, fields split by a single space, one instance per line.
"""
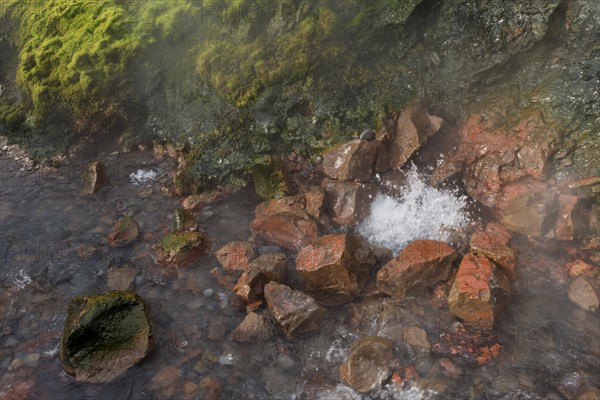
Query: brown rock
x=236 y=256
x=266 y=268
x=570 y=222
x=421 y=265
x=585 y=293
x=212 y=388
x=413 y=128
x=479 y=291
x=590 y=394
x=348 y=203
x=94 y=176
x=124 y=232
x=254 y=328
x=196 y=202
x=334 y=268
x=352 y=161
x=369 y=364
x=382 y=162
x=286 y=221
x=122 y=278
x=578 y=267
x=483 y=245
x=527 y=208
x=415 y=337
x=293 y=310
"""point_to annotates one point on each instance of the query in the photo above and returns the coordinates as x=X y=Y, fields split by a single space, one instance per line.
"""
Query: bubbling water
x=418 y=212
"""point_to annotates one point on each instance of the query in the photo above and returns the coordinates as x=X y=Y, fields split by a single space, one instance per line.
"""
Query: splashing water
x=420 y=212
x=141 y=176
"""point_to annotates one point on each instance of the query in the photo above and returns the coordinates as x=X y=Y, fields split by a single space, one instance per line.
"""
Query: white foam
x=143 y=175
x=419 y=212
x=21 y=279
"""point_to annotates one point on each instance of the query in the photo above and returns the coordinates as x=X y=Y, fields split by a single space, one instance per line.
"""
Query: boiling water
x=419 y=211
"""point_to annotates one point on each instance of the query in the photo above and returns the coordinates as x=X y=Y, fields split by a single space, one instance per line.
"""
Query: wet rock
x=236 y=256
x=413 y=128
x=122 y=278
x=268 y=178
x=419 y=266
x=496 y=154
x=498 y=233
x=369 y=364
x=94 y=176
x=590 y=394
x=585 y=293
x=415 y=337
x=348 y=203
x=570 y=384
x=483 y=245
x=104 y=335
x=182 y=249
x=287 y=221
x=335 y=268
x=254 y=328
x=352 y=161
x=382 y=254
x=528 y=208
x=295 y=312
x=124 y=232
x=467 y=346
x=578 y=267
x=367 y=135
x=212 y=388
x=196 y=202
x=266 y=268
x=382 y=164
x=570 y=222
x=184 y=220
x=479 y=292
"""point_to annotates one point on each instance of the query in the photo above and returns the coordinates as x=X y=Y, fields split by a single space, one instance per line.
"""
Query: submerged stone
x=104 y=335
x=585 y=293
x=266 y=268
x=369 y=364
x=124 y=232
x=236 y=256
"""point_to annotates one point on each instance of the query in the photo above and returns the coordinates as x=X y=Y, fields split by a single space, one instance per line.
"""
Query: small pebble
x=4 y=148
x=367 y=135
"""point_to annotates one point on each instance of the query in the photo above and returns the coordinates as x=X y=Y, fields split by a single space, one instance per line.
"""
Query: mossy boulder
x=182 y=248
x=124 y=232
x=105 y=335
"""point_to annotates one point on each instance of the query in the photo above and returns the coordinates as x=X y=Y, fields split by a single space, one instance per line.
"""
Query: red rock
x=413 y=128
x=335 y=268
x=196 y=202
x=295 y=312
x=498 y=233
x=287 y=222
x=479 y=291
x=483 y=245
x=571 y=220
x=369 y=364
x=421 y=265
x=236 y=256
x=348 y=203
x=124 y=232
x=526 y=208
x=266 y=268
x=468 y=346
x=352 y=161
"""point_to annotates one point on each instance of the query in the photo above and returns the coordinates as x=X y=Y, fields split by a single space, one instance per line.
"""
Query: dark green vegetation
x=239 y=80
